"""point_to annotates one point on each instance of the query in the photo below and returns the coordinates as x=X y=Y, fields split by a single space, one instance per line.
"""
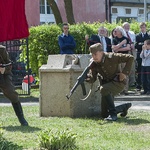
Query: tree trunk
x=56 y=11
x=69 y=11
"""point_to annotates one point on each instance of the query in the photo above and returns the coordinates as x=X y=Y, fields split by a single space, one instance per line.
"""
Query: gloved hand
x=2 y=70
x=122 y=76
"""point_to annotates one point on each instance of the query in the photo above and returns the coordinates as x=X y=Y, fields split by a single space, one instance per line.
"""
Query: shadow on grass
x=126 y=120
x=133 y=121
x=23 y=129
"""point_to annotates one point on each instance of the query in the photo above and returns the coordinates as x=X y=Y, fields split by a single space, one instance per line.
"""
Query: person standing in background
x=120 y=44
x=113 y=35
x=140 y=38
x=145 y=55
x=131 y=37
x=66 y=42
x=102 y=38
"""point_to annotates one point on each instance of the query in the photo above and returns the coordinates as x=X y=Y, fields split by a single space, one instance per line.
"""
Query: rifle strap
x=88 y=93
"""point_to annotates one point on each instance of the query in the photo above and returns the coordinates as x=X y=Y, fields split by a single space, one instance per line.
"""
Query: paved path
x=136 y=105
x=138 y=101
x=23 y=104
x=141 y=102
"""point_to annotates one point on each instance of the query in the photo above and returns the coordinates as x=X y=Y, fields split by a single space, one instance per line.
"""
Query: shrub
x=42 y=42
x=57 y=140
x=7 y=145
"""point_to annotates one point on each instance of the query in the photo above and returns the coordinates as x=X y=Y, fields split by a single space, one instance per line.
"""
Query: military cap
x=95 y=47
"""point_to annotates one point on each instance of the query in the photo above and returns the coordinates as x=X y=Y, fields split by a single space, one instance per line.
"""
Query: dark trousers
x=107 y=105
x=8 y=88
x=145 y=77
x=138 y=70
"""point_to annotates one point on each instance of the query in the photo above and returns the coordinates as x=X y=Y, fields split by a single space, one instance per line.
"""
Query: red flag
x=13 y=23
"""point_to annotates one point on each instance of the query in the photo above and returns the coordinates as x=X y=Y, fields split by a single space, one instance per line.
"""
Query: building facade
x=32 y=12
x=84 y=11
x=129 y=10
x=39 y=12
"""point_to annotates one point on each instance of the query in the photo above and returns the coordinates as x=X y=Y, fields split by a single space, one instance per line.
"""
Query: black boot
x=111 y=108
x=19 y=113
x=123 y=109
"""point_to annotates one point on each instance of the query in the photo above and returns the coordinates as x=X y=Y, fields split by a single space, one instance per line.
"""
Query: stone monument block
x=57 y=78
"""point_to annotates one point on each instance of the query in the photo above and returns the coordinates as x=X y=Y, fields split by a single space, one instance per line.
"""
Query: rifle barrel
x=80 y=80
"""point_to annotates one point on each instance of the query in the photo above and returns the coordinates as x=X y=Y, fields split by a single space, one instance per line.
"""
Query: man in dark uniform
x=8 y=88
x=100 y=38
x=140 y=38
x=112 y=81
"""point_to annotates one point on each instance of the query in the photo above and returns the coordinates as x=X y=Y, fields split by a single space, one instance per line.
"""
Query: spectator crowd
x=120 y=40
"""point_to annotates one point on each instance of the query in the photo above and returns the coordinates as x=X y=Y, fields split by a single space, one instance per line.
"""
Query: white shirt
x=103 y=42
x=132 y=36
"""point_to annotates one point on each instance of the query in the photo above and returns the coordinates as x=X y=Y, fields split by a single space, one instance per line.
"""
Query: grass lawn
x=132 y=133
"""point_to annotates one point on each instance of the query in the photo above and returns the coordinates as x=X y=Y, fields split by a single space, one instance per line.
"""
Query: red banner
x=13 y=23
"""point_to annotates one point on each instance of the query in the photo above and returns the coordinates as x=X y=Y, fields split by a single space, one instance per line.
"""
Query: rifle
x=80 y=80
x=5 y=65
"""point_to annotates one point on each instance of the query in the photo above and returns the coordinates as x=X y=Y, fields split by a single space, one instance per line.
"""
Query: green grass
x=132 y=133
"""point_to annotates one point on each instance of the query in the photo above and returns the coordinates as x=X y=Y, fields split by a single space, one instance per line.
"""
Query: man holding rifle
x=105 y=67
x=7 y=87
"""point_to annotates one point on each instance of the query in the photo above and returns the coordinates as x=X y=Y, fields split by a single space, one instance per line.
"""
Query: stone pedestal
x=57 y=78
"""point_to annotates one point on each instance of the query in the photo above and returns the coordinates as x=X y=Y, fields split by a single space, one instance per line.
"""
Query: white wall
x=122 y=13
x=47 y=18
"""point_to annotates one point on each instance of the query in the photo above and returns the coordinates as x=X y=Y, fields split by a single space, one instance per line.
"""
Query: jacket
x=95 y=39
x=4 y=59
x=109 y=66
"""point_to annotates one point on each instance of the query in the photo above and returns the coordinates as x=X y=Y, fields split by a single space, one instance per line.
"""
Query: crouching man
x=105 y=67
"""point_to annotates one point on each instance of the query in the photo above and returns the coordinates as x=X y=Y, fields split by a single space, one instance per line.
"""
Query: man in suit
x=100 y=38
x=131 y=37
x=140 y=38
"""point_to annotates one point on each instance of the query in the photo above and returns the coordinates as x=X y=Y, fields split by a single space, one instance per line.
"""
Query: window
x=141 y=11
x=49 y=10
x=128 y=11
x=114 y=11
x=45 y=7
x=42 y=7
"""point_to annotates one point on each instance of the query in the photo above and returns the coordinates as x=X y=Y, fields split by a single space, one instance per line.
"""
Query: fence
x=20 y=69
